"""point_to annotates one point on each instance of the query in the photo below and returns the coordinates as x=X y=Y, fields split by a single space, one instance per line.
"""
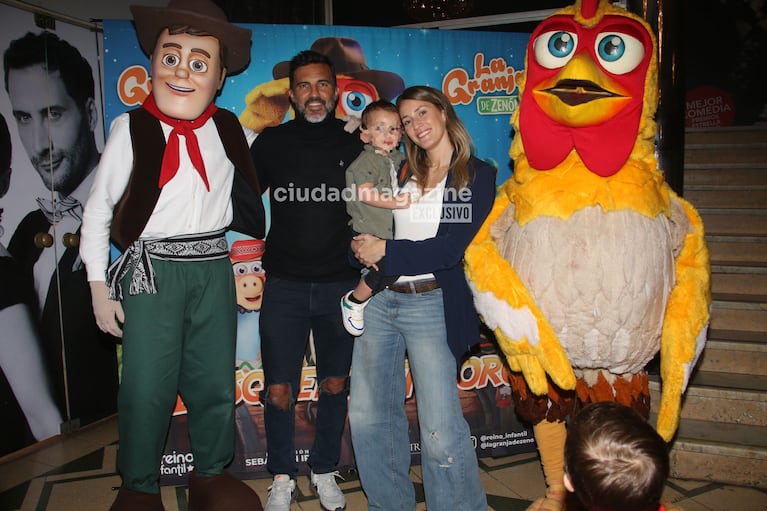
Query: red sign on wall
x=709 y=107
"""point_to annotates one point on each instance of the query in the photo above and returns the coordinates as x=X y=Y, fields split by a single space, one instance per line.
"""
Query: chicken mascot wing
x=589 y=264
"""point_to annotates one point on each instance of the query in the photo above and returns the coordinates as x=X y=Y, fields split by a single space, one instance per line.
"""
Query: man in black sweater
x=303 y=162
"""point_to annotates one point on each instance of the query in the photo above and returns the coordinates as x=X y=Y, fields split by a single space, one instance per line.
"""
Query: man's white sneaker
x=325 y=487
x=280 y=493
x=353 y=315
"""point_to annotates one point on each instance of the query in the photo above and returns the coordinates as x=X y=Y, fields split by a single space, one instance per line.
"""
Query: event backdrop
x=476 y=70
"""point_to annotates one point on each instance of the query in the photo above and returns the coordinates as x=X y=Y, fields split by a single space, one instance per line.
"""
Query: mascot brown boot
x=221 y=493
x=129 y=500
x=550 y=437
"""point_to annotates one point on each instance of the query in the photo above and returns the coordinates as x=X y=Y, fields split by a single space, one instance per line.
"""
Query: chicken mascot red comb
x=589 y=264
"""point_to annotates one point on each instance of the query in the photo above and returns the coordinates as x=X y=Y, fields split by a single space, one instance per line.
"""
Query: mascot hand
x=527 y=363
x=266 y=105
x=109 y=313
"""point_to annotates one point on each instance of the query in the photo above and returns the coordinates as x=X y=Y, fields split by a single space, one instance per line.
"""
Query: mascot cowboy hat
x=200 y=14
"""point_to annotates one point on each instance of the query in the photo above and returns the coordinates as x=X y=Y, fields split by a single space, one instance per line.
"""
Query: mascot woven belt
x=201 y=247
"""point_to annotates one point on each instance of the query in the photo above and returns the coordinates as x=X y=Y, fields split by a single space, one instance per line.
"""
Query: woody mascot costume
x=174 y=175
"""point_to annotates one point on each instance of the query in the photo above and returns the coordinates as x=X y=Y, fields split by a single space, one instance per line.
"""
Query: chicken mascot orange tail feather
x=589 y=264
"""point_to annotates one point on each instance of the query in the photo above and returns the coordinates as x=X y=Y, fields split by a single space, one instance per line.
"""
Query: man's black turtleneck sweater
x=303 y=164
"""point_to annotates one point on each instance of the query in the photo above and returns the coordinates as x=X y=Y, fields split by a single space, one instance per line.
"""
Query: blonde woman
x=428 y=313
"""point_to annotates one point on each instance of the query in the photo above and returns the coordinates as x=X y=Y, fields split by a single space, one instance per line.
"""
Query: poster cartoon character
x=358 y=86
x=249 y=278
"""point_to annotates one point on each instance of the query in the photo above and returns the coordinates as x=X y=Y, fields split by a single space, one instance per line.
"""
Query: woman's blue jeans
x=396 y=324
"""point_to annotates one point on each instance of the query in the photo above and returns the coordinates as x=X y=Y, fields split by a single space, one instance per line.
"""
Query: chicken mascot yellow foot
x=589 y=264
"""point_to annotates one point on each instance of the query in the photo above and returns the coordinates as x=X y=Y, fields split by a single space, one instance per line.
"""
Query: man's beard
x=316 y=117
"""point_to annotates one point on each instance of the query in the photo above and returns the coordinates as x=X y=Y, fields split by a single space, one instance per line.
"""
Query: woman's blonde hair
x=418 y=159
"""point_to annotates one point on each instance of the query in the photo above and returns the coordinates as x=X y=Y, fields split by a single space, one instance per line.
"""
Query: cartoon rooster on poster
x=589 y=264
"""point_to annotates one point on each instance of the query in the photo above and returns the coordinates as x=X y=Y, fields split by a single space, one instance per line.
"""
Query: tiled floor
x=77 y=473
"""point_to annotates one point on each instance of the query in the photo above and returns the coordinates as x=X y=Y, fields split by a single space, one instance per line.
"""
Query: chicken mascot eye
x=555 y=49
x=619 y=53
x=355 y=101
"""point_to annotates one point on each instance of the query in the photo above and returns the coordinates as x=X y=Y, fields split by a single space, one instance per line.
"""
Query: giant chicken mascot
x=589 y=264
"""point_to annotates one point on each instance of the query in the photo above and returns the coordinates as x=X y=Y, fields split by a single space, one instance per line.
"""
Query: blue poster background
x=477 y=71
x=419 y=56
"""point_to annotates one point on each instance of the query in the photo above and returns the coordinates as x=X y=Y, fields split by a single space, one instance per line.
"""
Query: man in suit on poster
x=51 y=89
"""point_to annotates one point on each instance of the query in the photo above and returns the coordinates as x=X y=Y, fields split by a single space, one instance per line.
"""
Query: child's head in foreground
x=615 y=460
x=380 y=125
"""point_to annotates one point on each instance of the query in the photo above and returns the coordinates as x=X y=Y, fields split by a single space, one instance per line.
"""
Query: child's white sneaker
x=353 y=315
